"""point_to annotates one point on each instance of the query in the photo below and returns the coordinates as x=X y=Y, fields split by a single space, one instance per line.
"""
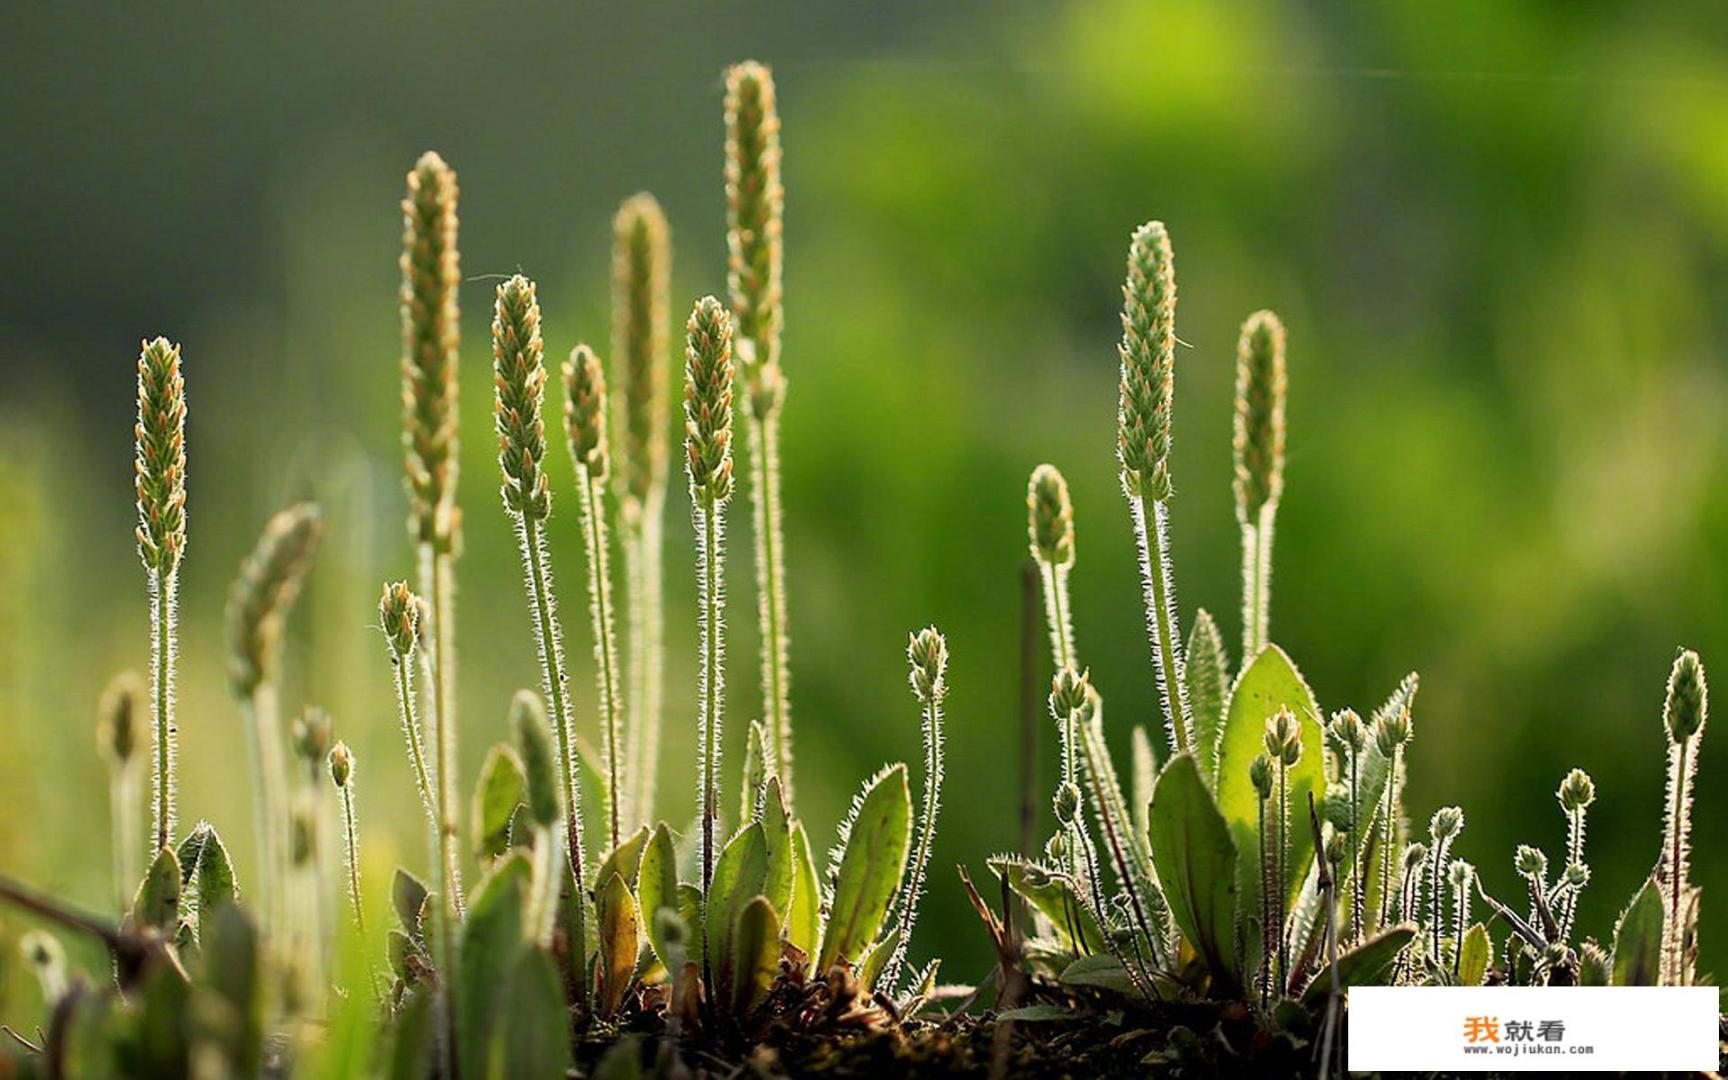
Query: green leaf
x=739 y=876
x=1100 y=970
x=804 y=912
x=657 y=888
x=233 y=1010
x=755 y=955
x=1206 y=675
x=778 y=883
x=1365 y=965
x=158 y=901
x=500 y=790
x=1638 y=939
x=755 y=771
x=206 y=869
x=623 y=1061
x=620 y=941
x=1052 y=896
x=416 y=1033
x=625 y=859
x=408 y=897
x=1196 y=861
x=1593 y=964
x=1270 y=683
x=876 y=957
x=492 y=939
x=1474 y=956
x=873 y=860
x=541 y=787
x=532 y=1037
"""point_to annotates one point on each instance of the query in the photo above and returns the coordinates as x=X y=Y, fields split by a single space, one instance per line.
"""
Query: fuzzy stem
x=640 y=539
x=1460 y=924
x=710 y=565
x=416 y=752
x=1256 y=583
x=438 y=584
x=351 y=846
x=1268 y=940
x=1388 y=839
x=1056 y=614
x=765 y=509
x=164 y=649
x=1160 y=595
x=1679 y=828
x=1355 y=844
x=551 y=650
x=913 y=889
x=594 y=533
x=123 y=819
x=1279 y=888
x=259 y=714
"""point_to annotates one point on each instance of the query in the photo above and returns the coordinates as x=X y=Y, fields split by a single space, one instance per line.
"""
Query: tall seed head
x=430 y=334
x=641 y=276
x=399 y=614
x=124 y=712
x=1148 y=356
x=1261 y=384
x=755 y=208
x=161 y=465
x=708 y=402
x=1688 y=703
x=341 y=764
x=1576 y=792
x=585 y=411
x=927 y=653
x=258 y=601
x=519 y=388
x=1050 y=517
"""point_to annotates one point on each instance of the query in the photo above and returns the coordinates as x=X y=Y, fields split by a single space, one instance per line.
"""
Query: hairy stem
x=764 y=439
x=1679 y=828
x=593 y=513
x=710 y=566
x=164 y=648
x=1256 y=584
x=1155 y=577
x=551 y=650
x=351 y=846
x=1389 y=836
x=416 y=752
x=123 y=817
x=438 y=584
x=641 y=541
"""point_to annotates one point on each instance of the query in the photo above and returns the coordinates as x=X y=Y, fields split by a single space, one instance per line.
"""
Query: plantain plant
x=1270 y=862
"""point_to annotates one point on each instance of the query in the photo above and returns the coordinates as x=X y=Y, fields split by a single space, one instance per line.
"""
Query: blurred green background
x=1498 y=234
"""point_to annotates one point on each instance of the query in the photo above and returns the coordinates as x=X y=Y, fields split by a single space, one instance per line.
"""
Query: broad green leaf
x=231 y=978
x=158 y=901
x=623 y=1061
x=1268 y=684
x=625 y=859
x=416 y=1036
x=1145 y=776
x=1365 y=965
x=1593 y=965
x=755 y=955
x=1638 y=939
x=594 y=789
x=1205 y=672
x=778 y=883
x=1196 y=861
x=1051 y=895
x=206 y=873
x=408 y=897
x=162 y=1025
x=739 y=875
x=657 y=888
x=804 y=912
x=1474 y=956
x=1100 y=970
x=492 y=939
x=875 y=843
x=500 y=790
x=876 y=957
x=620 y=941
x=532 y=1037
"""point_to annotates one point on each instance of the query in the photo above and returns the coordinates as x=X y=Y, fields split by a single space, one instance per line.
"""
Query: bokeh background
x=1498 y=234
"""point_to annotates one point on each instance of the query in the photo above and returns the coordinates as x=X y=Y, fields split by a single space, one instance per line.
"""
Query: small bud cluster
x=708 y=402
x=927 y=652
x=519 y=382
